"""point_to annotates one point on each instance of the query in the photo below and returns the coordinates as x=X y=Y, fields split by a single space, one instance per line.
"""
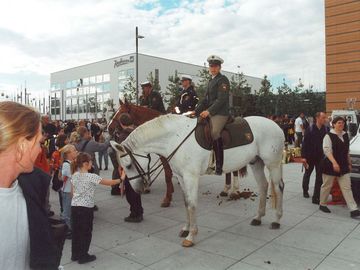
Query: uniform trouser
x=82 y=226
x=134 y=199
x=345 y=186
x=318 y=179
x=218 y=122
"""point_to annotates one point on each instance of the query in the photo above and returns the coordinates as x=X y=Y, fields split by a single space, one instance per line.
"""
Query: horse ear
x=126 y=101
x=118 y=147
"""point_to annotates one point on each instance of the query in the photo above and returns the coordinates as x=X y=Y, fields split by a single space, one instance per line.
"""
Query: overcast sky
x=280 y=38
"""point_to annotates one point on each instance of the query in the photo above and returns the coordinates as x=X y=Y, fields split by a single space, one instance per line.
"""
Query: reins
x=140 y=170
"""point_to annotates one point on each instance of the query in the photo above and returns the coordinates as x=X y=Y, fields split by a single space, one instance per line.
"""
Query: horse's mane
x=154 y=128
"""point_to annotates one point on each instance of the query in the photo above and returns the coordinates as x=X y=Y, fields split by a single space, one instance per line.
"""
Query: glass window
x=85 y=91
x=130 y=72
x=68 y=84
x=106 y=78
x=92 y=89
x=86 y=81
x=74 y=101
x=74 y=92
x=106 y=87
x=92 y=79
x=122 y=74
x=99 y=98
x=122 y=84
x=106 y=97
x=80 y=91
x=53 y=87
x=74 y=83
x=99 y=78
x=68 y=93
x=99 y=88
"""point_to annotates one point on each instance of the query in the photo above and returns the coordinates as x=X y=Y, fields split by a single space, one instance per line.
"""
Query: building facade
x=342 y=22
x=82 y=92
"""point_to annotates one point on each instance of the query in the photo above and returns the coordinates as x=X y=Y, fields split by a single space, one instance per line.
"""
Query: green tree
x=130 y=90
x=173 y=92
x=154 y=82
x=264 y=98
x=243 y=102
x=203 y=82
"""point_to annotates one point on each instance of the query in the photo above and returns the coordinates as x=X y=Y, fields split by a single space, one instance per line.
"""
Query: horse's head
x=133 y=164
x=124 y=106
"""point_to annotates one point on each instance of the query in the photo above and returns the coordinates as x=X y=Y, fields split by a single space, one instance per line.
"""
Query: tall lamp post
x=137 y=37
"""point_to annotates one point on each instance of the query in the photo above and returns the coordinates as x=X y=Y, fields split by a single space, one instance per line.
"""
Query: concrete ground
x=307 y=239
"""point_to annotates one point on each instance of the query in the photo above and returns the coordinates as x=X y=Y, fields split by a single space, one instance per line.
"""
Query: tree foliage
x=173 y=90
x=130 y=90
x=203 y=82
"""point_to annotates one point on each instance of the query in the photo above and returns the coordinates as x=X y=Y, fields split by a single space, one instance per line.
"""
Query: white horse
x=164 y=134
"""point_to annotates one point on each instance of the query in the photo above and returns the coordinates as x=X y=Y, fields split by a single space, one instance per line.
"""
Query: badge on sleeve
x=224 y=87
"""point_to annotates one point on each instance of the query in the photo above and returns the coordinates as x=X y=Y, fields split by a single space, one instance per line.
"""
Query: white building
x=73 y=88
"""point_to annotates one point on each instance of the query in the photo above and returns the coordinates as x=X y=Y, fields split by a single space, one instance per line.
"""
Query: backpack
x=57 y=181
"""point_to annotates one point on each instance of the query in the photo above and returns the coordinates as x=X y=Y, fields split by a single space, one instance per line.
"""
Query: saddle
x=236 y=132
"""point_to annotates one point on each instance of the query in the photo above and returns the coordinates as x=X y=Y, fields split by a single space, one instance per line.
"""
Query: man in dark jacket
x=150 y=98
x=188 y=98
x=312 y=154
x=216 y=106
x=133 y=198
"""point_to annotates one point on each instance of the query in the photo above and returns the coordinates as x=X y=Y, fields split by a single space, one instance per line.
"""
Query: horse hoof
x=255 y=222
x=275 y=226
x=183 y=234
x=187 y=243
x=165 y=204
x=223 y=194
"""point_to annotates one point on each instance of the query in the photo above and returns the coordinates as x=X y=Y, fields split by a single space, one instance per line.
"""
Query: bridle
x=145 y=176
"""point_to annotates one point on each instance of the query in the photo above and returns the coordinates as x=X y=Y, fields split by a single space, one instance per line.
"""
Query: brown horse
x=140 y=115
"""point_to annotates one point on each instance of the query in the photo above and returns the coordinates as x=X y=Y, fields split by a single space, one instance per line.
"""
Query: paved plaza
x=308 y=238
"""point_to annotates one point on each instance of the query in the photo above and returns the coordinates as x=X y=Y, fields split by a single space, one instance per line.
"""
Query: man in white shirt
x=299 y=129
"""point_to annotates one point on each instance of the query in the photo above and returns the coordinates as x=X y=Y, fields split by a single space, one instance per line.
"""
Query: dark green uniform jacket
x=216 y=100
x=153 y=101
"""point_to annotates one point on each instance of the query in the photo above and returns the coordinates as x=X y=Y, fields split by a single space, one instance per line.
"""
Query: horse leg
x=278 y=186
x=259 y=174
x=190 y=188
x=169 y=185
x=227 y=186
x=235 y=192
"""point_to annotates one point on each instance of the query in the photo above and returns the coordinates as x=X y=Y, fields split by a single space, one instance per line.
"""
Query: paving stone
x=147 y=250
x=278 y=257
x=193 y=259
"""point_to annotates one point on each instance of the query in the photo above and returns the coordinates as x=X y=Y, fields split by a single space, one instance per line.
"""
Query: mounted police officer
x=150 y=98
x=216 y=106
x=188 y=98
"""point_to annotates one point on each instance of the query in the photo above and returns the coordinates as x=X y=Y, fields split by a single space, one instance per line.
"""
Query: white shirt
x=14 y=229
x=84 y=189
x=298 y=124
x=66 y=172
x=327 y=143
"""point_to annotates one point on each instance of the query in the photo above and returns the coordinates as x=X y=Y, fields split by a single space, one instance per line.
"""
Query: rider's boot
x=219 y=155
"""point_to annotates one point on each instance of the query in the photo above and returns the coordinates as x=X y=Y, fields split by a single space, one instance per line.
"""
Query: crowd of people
x=62 y=155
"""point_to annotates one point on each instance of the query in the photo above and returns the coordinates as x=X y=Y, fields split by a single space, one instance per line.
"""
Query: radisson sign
x=120 y=62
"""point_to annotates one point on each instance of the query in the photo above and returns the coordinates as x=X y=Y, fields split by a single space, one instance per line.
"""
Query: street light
x=137 y=37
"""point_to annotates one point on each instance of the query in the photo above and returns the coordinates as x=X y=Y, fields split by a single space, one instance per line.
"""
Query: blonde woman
x=68 y=155
x=25 y=238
